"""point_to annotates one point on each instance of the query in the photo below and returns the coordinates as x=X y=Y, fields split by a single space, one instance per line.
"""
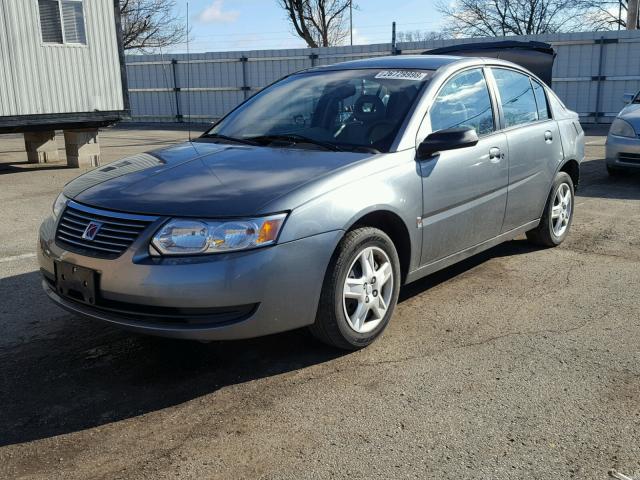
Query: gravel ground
x=518 y=363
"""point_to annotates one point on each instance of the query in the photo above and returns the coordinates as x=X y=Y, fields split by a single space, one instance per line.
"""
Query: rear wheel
x=360 y=290
x=558 y=214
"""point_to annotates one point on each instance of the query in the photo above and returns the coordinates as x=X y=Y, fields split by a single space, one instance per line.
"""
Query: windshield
x=336 y=110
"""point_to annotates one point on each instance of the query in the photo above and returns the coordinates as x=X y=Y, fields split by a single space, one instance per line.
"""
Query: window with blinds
x=62 y=21
x=50 y=21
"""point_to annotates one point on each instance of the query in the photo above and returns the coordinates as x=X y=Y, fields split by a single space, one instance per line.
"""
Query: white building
x=61 y=67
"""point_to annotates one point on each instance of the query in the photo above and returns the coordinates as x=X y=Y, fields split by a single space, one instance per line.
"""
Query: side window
x=464 y=101
x=517 y=98
x=62 y=21
x=541 y=101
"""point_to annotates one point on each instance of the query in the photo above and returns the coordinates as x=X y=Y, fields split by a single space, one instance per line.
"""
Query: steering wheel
x=369 y=109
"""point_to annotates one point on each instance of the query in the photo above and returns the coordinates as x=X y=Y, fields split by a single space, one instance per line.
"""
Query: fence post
x=600 y=77
x=313 y=57
x=245 y=88
x=176 y=89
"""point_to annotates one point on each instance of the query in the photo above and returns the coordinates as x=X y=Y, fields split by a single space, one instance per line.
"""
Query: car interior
x=369 y=115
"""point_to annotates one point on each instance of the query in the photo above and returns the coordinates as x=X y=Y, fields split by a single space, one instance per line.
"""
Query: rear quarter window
x=541 y=101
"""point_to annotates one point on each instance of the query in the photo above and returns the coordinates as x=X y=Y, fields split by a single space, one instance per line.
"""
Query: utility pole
x=632 y=15
x=351 y=20
x=393 y=38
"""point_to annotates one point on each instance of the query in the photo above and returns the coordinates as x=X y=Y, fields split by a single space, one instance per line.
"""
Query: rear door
x=535 y=148
x=465 y=190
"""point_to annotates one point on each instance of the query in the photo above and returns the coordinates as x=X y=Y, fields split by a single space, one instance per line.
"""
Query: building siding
x=40 y=78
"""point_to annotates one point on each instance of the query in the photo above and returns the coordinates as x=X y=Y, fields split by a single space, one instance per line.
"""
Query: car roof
x=418 y=62
x=422 y=62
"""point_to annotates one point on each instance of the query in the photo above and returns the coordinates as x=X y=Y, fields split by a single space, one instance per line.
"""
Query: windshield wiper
x=226 y=138
x=363 y=149
x=294 y=139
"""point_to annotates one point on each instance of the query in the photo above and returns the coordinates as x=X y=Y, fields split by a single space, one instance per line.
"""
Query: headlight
x=622 y=128
x=190 y=237
x=59 y=205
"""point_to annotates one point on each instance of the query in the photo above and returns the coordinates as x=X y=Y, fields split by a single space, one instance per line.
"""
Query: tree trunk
x=632 y=15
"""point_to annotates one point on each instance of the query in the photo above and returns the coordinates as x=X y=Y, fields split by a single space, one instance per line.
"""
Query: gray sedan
x=623 y=141
x=314 y=201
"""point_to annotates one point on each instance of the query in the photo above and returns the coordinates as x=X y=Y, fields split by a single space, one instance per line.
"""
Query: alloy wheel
x=561 y=209
x=368 y=289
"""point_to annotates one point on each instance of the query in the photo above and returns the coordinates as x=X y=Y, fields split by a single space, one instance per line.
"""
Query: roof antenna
x=188 y=76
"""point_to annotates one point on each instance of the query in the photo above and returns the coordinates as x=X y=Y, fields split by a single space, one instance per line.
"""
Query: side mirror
x=449 y=139
x=628 y=97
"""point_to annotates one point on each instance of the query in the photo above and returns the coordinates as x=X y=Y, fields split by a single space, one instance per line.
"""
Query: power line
x=280 y=32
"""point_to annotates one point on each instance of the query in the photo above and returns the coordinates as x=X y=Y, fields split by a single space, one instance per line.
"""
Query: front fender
x=396 y=189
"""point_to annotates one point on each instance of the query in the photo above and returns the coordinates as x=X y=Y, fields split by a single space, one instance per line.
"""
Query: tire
x=353 y=323
x=549 y=233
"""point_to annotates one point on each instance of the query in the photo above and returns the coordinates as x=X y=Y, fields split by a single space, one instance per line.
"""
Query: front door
x=465 y=190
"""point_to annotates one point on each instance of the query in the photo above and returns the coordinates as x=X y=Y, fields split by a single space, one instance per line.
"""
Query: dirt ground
x=520 y=363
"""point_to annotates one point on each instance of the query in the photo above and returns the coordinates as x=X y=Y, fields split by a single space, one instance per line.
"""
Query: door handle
x=495 y=155
x=548 y=136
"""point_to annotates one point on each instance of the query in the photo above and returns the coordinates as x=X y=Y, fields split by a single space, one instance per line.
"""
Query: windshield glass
x=337 y=110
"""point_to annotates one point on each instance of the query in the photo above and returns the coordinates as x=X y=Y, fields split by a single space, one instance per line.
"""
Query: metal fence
x=591 y=73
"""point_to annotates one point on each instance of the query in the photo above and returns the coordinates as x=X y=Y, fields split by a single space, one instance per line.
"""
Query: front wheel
x=558 y=214
x=360 y=290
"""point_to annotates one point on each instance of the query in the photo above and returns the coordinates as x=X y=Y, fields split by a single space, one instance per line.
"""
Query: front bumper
x=243 y=294
x=623 y=152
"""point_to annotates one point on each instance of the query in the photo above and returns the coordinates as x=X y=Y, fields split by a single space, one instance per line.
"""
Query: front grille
x=629 y=157
x=116 y=233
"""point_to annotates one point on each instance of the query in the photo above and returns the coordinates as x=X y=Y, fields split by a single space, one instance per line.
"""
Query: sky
x=220 y=25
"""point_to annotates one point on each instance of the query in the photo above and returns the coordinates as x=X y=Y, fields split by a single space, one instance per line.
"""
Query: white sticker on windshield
x=402 y=75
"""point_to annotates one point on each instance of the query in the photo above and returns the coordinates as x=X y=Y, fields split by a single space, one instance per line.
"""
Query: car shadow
x=77 y=374
x=507 y=249
x=82 y=374
x=26 y=167
x=595 y=182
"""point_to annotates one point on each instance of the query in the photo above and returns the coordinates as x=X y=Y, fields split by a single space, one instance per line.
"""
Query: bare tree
x=603 y=15
x=320 y=23
x=150 y=24
x=493 y=18
x=419 y=36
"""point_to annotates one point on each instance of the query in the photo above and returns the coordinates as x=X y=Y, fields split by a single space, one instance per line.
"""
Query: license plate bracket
x=76 y=282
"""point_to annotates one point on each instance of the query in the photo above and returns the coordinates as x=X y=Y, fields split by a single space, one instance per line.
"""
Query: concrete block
x=41 y=147
x=82 y=147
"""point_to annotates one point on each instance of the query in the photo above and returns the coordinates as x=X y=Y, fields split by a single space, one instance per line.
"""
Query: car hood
x=204 y=179
x=631 y=113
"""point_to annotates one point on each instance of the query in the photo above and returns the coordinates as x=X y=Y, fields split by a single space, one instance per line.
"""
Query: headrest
x=369 y=108
x=340 y=90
